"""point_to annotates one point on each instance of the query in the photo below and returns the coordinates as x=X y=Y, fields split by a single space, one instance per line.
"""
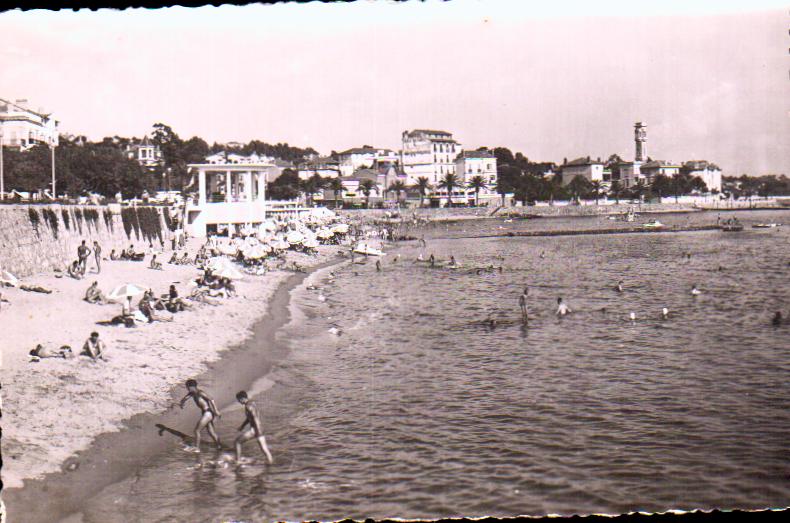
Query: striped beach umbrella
x=127 y=290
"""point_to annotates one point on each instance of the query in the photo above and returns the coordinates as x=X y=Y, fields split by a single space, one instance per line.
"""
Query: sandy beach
x=55 y=408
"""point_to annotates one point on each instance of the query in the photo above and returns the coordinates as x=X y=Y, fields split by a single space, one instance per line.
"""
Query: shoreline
x=113 y=456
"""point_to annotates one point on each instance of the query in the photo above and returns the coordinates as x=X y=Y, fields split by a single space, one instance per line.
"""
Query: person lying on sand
x=255 y=430
x=95 y=295
x=147 y=306
x=34 y=288
x=208 y=409
x=43 y=352
x=94 y=348
x=202 y=296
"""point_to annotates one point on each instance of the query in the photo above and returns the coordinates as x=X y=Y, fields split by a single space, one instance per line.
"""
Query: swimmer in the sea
x=208 y=409
x=619 y=287
x=562 y=308
x=777 y=319
x=255 y=430
x=695 y=291
x=664 y=313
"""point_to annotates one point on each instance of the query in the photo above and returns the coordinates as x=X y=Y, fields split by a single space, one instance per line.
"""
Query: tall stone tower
x=640 y=137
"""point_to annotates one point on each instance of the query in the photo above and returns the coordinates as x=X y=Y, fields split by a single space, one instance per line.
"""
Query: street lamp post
x=2 y=179
x=52 y=149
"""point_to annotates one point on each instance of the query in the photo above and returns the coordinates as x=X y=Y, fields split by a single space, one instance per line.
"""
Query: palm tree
x=423 y=185
x=477 y=183
x=449 y=182
x=367 y=186
x=597 y=189
x=337 y=187
x=397 y=187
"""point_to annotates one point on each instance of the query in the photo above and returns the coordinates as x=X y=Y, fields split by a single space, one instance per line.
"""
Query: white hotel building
x=428 y=153
x=23 y=128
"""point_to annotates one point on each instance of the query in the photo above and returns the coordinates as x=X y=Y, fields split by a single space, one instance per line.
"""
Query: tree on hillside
x=284 y=187
x=616 y=190
x=477 y=183
x=423 y=185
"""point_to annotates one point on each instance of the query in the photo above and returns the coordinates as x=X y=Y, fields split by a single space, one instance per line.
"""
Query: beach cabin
x=230 y=197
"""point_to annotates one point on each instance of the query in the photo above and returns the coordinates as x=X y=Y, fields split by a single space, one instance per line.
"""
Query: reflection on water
x=418 y=410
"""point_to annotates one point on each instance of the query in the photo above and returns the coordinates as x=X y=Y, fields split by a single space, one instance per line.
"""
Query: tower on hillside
x=640 y=137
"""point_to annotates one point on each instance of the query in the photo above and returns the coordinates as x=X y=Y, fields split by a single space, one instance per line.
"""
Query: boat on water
x=653 y=224
x=367 y=250
x=731 y=225
x=766 y=225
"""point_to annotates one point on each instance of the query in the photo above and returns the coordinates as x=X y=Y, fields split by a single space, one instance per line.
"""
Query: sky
x=553 y=80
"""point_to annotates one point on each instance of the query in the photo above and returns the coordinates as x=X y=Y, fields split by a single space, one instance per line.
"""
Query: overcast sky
x=553 y=79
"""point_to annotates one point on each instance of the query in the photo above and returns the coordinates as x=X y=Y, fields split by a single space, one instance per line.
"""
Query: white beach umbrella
x=229 y=272
x=280 y=244
x=127 y=290
x=340 y=228
x=294 y=237
x=8 y=278
x=311 y=243
x=324 y=233
x=230 y=250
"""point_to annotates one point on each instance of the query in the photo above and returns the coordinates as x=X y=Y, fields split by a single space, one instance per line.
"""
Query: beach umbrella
x=8 y=278
x=324 y=233
x=310 y=244
x=229 y=272
x=280 y=244
x=230 y=250
x=340 y=228
x=294 y=237
x=127 y=290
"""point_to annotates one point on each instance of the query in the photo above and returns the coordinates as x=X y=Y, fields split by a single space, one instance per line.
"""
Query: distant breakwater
x=619 y=230
x=42 y=238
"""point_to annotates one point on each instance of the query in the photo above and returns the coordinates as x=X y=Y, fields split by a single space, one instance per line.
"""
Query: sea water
x=396 y=401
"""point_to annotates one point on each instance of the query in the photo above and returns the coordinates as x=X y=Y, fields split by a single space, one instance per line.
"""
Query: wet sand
x=74 y=426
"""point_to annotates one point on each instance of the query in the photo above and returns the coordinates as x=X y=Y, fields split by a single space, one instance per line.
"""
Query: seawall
x=42 y=238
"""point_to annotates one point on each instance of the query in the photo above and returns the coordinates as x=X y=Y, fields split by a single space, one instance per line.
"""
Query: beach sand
x=55 y=408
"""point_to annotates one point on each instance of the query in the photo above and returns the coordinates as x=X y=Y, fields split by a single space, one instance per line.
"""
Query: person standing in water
x=378 y=265
x=255 y=430
x=522 y=303
x=619 y=287
x=562 y=309
x=208 y=409
x=433 y=261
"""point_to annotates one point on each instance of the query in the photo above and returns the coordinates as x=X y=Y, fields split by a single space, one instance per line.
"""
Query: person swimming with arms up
x=208 y=409
x=255 y=430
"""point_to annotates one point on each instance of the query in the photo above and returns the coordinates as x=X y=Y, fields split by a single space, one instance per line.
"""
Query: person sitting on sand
x=95 y=295
x=75 y=270
x=562 y=308
x=94 y=348
x=255 y=430
x=185 y=259
x=174 y=259
x=174 y=303
x=43 y=352
x=155 y=264
x=208 y=409
x=113 y=256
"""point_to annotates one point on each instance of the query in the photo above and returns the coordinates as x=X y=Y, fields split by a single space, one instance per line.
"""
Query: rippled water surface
x=418 y=410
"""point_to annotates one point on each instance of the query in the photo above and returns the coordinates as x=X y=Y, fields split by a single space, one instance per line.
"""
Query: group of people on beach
x=93 y=348
x=252 y=428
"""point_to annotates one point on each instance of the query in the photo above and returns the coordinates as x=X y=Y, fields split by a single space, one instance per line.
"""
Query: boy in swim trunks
x=209 y=412
x=254 y=431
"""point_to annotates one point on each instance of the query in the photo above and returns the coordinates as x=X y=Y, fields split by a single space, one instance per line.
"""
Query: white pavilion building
x=230 y=196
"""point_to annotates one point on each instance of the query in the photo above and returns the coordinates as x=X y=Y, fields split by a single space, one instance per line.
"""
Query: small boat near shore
x=368 y=250
x=766 y=225
x=653 y=224
x=732 y=225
